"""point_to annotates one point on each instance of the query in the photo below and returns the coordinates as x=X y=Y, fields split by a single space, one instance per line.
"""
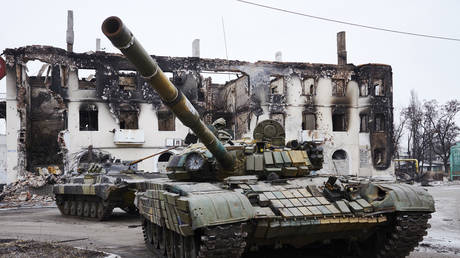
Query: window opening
x=364 y=122
x=339 y=122
x=129 y=120
x=379 y=122
x=339 y=155
x=309 y=121
x=86 y=79
x=378 y=88
x=338 y=88
x=166 y=121
x=363 y=90
x=89 y=118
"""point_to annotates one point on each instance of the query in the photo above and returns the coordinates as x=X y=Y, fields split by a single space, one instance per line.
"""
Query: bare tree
x=413 y=115
x=398 y=132
x=442 y=120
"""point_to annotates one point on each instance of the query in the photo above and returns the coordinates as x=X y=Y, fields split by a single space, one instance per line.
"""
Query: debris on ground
x=30 y=190
x=27 y=248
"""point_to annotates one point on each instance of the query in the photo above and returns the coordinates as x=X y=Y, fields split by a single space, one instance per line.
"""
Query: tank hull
x=96 y=195
x=295 y=214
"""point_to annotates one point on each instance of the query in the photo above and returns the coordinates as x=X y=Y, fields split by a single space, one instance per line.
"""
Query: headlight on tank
x=194 y=162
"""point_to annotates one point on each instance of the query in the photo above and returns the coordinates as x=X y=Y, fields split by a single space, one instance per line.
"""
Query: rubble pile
x=27 y=248
x=26 y=190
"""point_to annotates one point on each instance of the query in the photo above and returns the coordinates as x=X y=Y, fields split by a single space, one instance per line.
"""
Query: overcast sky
x=429 y=66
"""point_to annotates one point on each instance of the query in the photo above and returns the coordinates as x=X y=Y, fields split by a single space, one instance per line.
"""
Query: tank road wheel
x=60 y=203
x=399 y=238
x=66 y=207
x=73 y=208
x=225 y=240
x=79 y=208
x=148 y=234
x=100 y=211
x=86 y=209
x=103 y=211
x=93 y=209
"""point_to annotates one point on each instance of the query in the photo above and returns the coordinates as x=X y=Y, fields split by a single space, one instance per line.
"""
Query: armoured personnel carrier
x=222 y=199
x=100 y=186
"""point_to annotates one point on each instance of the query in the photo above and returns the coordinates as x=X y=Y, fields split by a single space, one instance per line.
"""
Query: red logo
x=2 y=68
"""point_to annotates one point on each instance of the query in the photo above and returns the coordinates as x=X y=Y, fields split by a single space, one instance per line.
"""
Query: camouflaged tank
x=228 y=199
x=99 y=188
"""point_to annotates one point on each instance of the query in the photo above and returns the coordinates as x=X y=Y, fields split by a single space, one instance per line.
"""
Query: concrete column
x=98 y=44
x=279 y=56
x=69 y=33
x=196 y=48
x=341 y=48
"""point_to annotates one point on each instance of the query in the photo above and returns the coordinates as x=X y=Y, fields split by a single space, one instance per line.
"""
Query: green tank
x=99 y=186
x=228 y=198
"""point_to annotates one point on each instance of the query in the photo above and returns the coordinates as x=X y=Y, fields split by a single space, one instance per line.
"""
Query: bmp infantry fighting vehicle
x=100 y=187
x=227 y=199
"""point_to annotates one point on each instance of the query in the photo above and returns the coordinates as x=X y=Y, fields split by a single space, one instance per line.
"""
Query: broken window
x=378 y=88
x=88 y=118
x=164 y=157
x=86 y=79
x=363 y=89
x=278 y=118
x=127 y=80
x=364 y=122
x=166 y=121
x=308 y=121
x=339 y=155
x=129 y=120
x=339 y=122
x=276 y=85
x=379 y=156
x=379 y=122
x=338 y=87
x=308 y=86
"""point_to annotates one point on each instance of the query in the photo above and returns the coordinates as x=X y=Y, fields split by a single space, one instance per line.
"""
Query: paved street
x=122 y=234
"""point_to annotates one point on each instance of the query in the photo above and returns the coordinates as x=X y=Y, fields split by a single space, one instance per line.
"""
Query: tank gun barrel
x=122 y=38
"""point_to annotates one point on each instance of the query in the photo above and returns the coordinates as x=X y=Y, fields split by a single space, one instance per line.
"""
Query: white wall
x=12 y=127
x=155 y=140
x=351 y=141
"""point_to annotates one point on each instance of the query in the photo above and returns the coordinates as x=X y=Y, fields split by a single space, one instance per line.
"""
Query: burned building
x=98 y=99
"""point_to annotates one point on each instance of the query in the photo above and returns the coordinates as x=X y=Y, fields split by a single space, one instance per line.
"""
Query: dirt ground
x=122 y=234
x=34 y=249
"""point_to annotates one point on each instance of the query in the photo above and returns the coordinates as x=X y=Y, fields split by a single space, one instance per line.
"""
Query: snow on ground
x=444 y=234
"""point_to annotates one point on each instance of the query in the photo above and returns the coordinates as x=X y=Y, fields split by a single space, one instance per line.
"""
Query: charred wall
x=42 y=100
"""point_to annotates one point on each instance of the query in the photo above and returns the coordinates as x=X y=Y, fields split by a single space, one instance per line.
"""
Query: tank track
x=405 y=233
x=84 y=206
x=226 y=241
x=223 y=241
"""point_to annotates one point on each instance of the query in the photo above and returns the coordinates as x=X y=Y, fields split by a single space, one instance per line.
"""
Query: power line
x=348 y=23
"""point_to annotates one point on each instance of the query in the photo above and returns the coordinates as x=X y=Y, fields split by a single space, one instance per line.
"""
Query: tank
x=225 y=198
x=100 y=184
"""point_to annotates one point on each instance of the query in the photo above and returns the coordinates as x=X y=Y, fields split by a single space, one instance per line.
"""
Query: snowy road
x=444 y=235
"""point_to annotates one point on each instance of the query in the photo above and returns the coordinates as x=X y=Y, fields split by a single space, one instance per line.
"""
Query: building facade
x=97 y=99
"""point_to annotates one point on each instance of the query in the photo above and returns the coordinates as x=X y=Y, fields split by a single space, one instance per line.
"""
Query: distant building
x=98 y=99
